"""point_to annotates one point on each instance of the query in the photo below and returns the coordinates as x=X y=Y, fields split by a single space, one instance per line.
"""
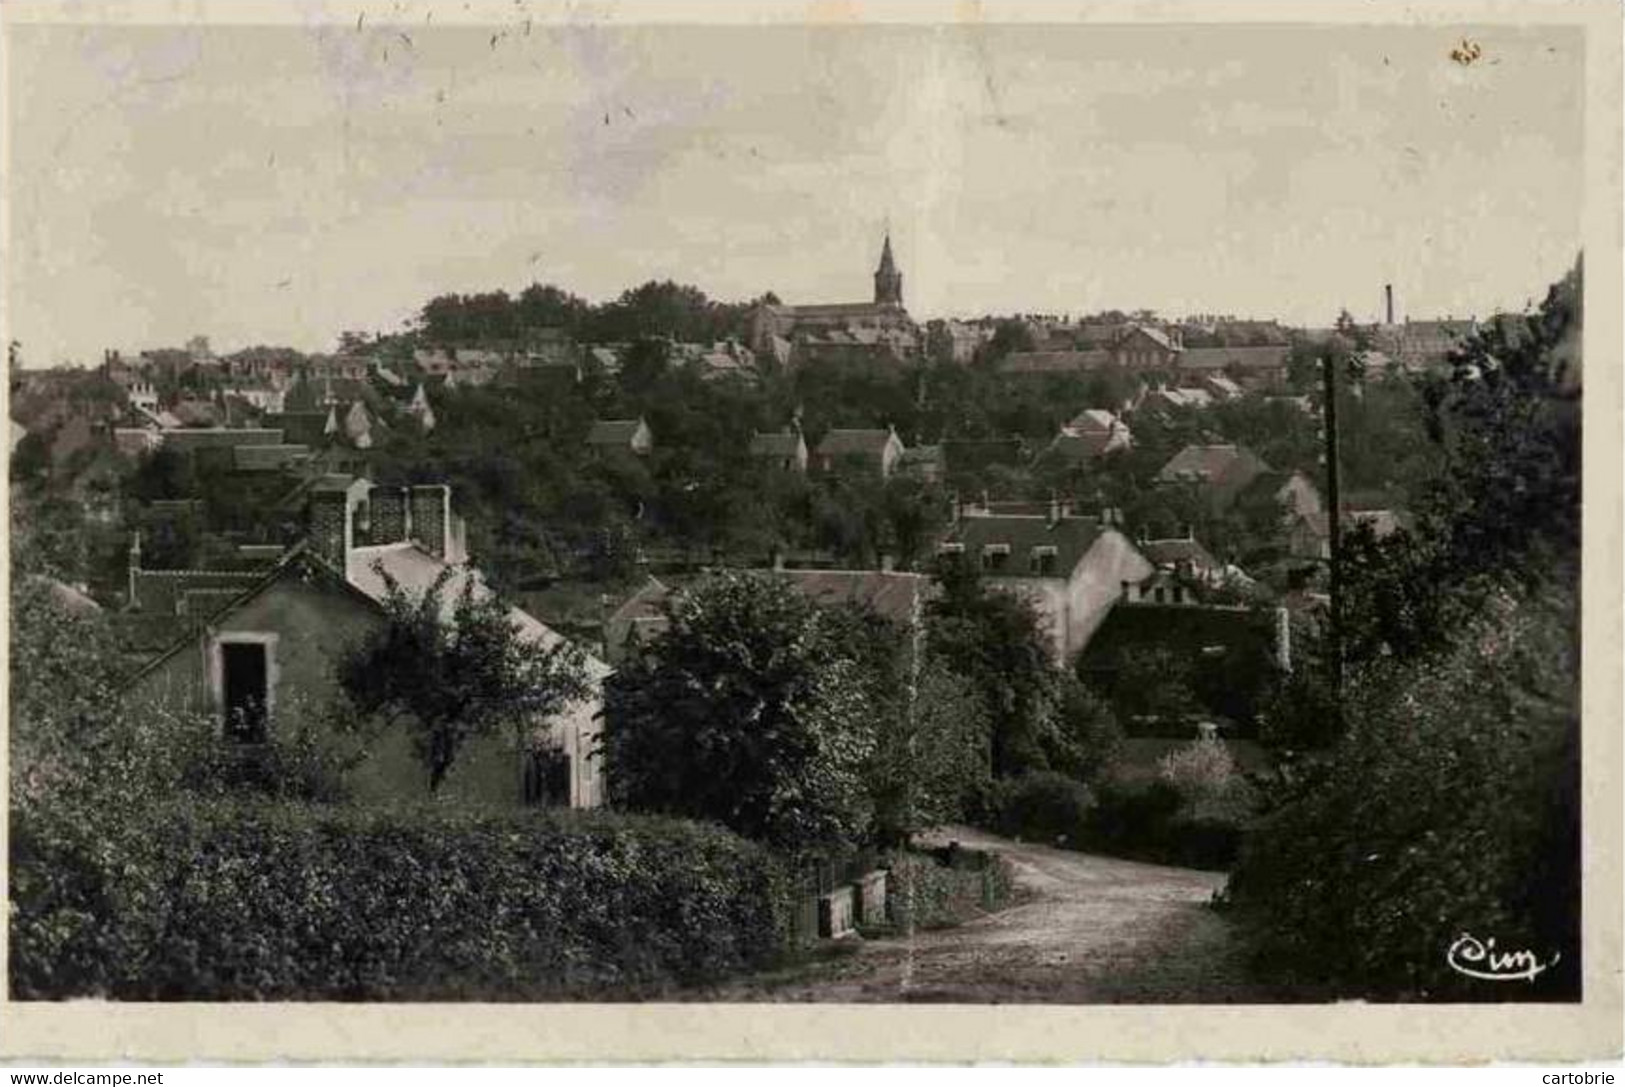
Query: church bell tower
x=888 y=280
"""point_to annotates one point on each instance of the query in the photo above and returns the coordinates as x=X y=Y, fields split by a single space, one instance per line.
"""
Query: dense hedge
x=234 y=901
x=1153 y=821
x=1042 y=807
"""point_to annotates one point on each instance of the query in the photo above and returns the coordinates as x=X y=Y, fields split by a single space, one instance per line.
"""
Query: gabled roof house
x=260 y=662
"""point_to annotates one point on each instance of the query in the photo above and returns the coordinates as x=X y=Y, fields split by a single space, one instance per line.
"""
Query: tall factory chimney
x=1388 y=297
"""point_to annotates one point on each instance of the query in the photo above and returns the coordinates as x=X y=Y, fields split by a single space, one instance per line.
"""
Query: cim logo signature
x=1477 y=958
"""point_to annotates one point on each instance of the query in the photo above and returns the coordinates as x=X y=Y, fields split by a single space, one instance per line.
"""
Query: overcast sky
x=277 y=185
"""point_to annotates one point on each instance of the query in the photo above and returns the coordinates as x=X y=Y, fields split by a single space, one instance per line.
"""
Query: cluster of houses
x=253 y=641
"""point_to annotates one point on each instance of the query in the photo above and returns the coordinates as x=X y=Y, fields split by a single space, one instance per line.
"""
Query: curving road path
x=1084 y=929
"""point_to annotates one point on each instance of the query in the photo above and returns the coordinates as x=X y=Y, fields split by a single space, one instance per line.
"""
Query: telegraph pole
x=1328 y=376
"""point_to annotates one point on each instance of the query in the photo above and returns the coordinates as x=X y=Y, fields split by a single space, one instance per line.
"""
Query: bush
x=223 y=900
x=924 y=894
x=1450 y=807
x=1042 y=807
x=1204 y=770
x=1155 y=821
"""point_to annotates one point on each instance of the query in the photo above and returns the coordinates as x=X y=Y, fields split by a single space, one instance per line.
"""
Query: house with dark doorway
x=260 y=663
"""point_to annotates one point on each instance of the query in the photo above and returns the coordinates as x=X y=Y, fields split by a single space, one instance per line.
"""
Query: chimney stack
x=391 y=515
x=1388 y=298
x=331 y=530
x=430 y=511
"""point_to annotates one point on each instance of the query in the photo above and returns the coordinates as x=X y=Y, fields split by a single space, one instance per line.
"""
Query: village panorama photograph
x=966 y=513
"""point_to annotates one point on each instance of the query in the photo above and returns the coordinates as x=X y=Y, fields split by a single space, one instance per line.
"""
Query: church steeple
x=888 y=280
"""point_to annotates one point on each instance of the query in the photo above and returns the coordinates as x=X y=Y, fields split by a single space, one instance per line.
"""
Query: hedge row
x=1157 y=820
x=233 y=901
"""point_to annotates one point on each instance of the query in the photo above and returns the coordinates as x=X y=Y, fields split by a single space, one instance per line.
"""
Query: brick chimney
x=430 y=513
x=1388 y=300
x=330 y=529
x=391 y=515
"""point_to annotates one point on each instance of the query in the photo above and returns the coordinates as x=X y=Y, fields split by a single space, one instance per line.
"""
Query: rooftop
x=840 y=443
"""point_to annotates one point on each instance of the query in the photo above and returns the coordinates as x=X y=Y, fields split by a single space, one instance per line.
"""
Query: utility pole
x=1334 y=515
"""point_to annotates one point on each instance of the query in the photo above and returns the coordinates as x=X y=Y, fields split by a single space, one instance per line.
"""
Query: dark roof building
x=632 y=435
x=874 y=449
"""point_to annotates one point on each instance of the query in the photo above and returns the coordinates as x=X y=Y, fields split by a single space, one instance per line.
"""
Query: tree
x=1009 y=336
x=993 y=640
x=748 y=711
x=451 y=681
x=1088 y=736
x=1502 y=506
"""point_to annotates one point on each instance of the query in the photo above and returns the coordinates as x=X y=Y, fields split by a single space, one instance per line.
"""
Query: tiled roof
x=613 y=431
x=416 y=571
x=1243 y=358
x=188 y=439
x=1173 y=552
x=1092 y=419
x=645 y=604
x=888 y=593
x=268 y=458
x=1076 y=446
x=164 y=592
x=1156 y=335
x=775 y=445
x=307 y=428
x=1071 y=537
x=841 y=443
x=839 y=309
x=1208 y=463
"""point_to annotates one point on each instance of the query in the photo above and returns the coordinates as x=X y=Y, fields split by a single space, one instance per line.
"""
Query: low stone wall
x=870 y=898
x=836 y=913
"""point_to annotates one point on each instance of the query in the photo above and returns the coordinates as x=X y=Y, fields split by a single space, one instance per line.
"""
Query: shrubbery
x=922 y=893
x=1043 y=807
x=1194 y=812
x=1451 y=807
x=220 y=900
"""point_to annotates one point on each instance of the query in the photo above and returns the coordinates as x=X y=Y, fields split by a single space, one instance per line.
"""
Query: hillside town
x=579 y=523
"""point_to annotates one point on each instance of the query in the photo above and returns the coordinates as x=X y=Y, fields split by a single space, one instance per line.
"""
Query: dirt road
x=1085 y=929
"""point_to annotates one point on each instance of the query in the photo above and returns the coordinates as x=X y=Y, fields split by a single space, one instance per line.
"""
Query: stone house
x=622 y=435
x=1144 y=347
x=260 y=662
x=1252 y=367
x=870 y=450
x=786 y=450
x=1072 y=569
x=1185 y=556
x=1219 y=473
x=1090 y=434
x=1293 y=492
